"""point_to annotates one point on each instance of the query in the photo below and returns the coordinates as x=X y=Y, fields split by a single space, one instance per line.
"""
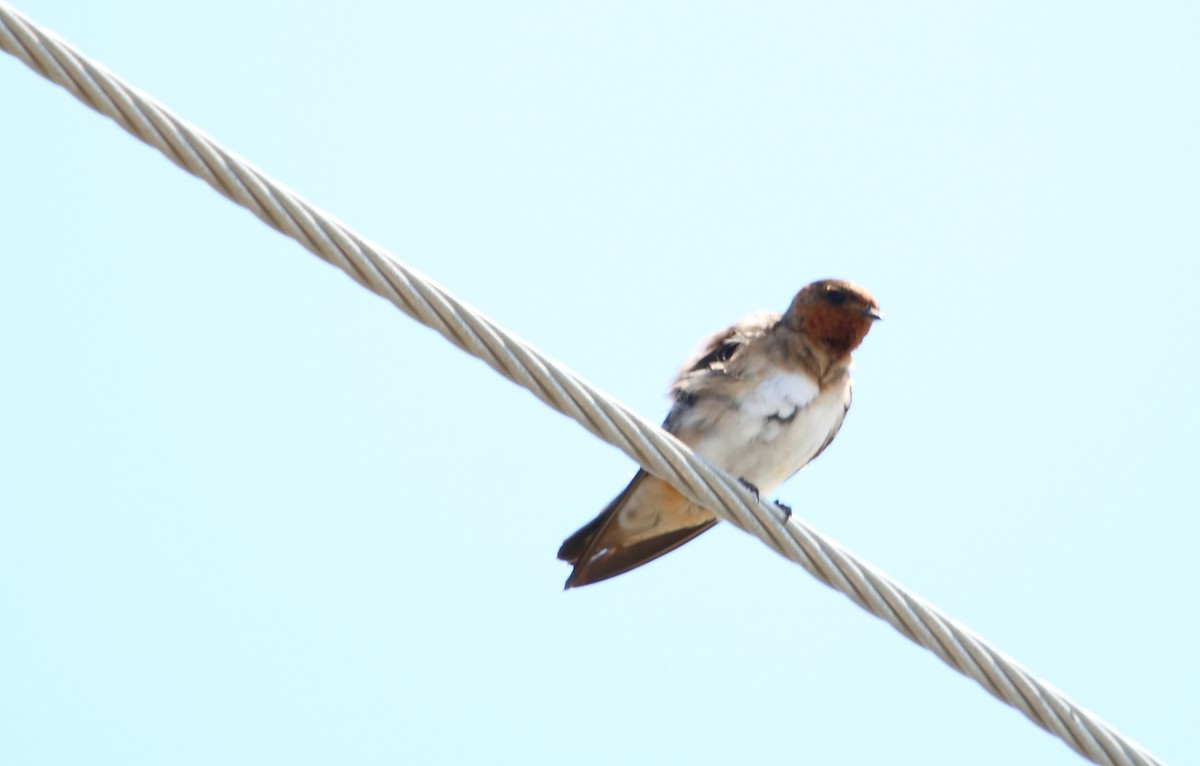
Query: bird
x=760 y=399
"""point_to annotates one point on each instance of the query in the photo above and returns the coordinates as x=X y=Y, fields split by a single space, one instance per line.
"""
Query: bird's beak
x=873 y=313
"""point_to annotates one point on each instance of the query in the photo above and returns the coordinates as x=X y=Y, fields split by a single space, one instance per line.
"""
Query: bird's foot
x=787 y=510
x=753 y=489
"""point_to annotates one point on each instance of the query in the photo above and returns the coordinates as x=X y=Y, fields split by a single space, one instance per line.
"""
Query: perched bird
x=760 y=400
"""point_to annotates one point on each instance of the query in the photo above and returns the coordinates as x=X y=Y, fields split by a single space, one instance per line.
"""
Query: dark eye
x=835 y=297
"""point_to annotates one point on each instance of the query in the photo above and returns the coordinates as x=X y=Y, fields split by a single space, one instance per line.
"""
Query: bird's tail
x=649 y=518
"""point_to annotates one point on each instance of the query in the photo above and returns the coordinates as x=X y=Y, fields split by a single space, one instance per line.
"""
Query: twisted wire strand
x=655 y=450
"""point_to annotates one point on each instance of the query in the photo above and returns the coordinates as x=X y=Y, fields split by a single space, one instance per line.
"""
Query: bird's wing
x=712 y=360
x=715 y=351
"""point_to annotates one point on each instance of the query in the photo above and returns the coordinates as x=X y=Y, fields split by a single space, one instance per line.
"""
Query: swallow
x=760 y=400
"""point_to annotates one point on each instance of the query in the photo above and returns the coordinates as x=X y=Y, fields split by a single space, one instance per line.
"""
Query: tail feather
x=648 y=519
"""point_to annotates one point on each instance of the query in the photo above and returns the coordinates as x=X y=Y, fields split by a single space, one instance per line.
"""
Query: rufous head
x=834 y=314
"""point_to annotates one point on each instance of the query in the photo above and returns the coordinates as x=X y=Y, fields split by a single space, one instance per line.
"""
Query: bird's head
x=834 y=314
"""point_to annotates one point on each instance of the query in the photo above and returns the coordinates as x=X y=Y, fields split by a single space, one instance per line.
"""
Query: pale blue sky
x=249 y=513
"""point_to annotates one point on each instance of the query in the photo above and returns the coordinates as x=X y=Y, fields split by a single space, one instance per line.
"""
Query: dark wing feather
x=721 y=350
x=711 y=359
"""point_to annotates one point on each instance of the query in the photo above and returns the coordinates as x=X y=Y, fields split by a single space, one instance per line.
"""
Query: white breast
x=770 y=433
x=780 y=395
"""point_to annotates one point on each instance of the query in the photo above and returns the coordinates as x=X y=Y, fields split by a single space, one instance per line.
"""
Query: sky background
x=250 y=513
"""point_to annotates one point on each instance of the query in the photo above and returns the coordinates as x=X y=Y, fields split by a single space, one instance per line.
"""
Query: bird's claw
x=787 y=510
x=753 y=489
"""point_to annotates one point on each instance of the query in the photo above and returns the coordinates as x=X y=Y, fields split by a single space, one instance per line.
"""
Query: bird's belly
x=766 y=450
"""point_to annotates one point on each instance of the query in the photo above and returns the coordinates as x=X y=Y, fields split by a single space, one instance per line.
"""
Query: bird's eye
x=835 y=297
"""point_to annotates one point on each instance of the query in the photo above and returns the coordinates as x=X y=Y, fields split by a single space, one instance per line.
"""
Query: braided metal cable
x=655 y=450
